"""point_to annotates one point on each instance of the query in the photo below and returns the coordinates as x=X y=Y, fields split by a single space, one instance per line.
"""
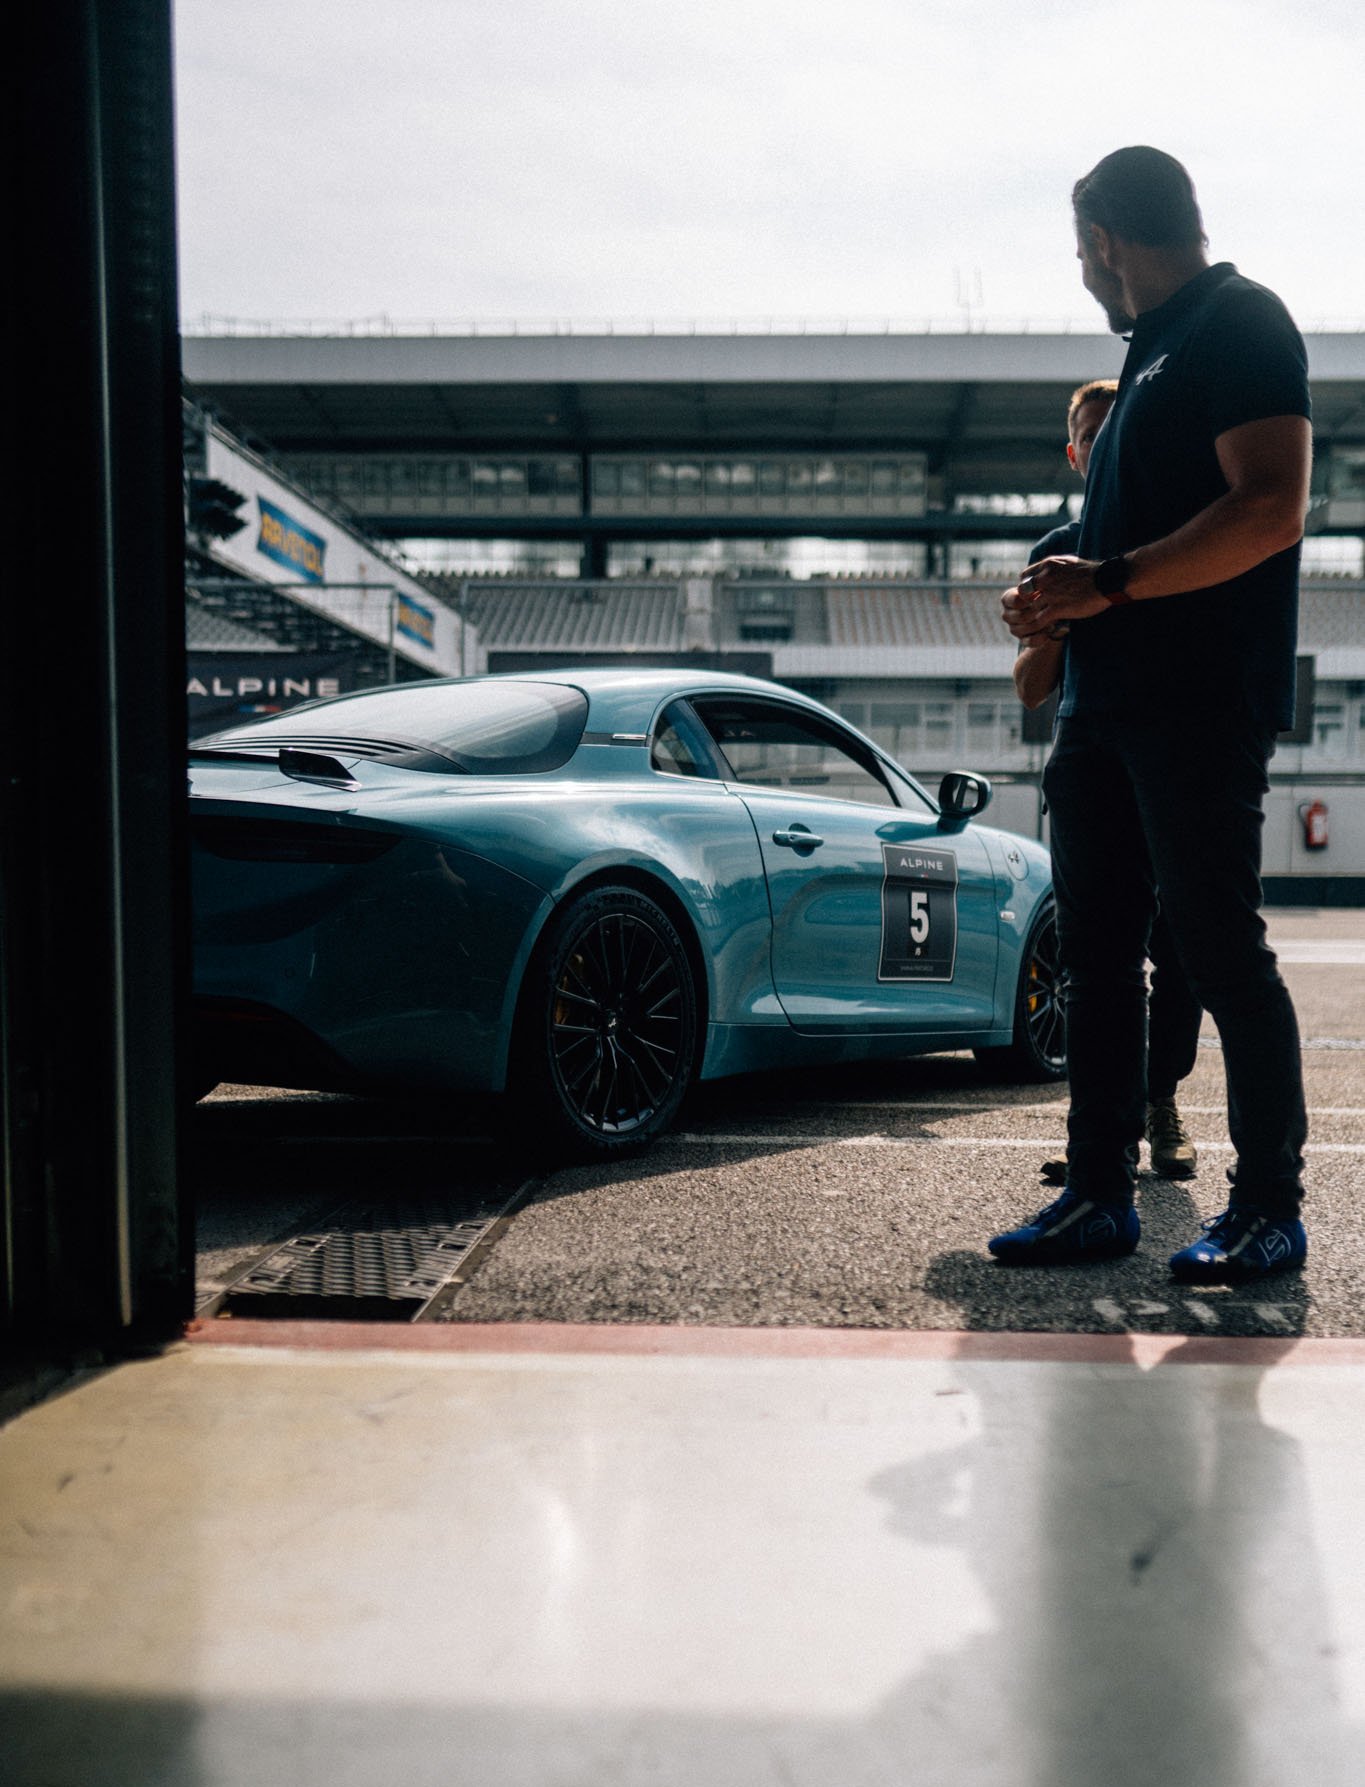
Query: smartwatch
x=1111 y=579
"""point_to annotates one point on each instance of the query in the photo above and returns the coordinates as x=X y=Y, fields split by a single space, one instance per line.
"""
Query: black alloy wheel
x=1038 y=1049
x=617 y=1012
x=1043 y=998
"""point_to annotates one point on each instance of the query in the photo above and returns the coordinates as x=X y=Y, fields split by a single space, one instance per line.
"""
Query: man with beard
x=1182 y=609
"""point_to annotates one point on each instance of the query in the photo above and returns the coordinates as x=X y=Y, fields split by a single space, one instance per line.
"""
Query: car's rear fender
x=702 y=851
x=400 y=965
x=692 y=844
x=698 y=857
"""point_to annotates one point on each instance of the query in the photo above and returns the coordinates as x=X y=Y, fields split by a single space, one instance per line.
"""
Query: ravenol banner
x=289 y=542
x=417 y=622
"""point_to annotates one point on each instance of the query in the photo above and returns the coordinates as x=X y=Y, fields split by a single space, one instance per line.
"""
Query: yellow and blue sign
x=415 y=621
x=289 y=543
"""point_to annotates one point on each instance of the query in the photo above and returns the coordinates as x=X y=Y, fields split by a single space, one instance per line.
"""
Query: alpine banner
x=229 y=688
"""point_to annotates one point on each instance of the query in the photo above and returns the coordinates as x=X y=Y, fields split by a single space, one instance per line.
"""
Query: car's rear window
x=492 y=728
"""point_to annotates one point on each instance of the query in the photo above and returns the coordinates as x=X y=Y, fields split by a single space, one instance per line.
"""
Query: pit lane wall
x=1334 y=873
x=332 y=569
x=1331 y=874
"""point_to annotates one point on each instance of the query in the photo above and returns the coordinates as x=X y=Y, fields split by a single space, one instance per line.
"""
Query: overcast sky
x=585 y=159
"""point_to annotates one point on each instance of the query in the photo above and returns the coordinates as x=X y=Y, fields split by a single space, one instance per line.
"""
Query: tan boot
x=1174 y=1155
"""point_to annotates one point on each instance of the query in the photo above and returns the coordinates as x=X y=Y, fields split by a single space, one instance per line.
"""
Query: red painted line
x=645 y=1341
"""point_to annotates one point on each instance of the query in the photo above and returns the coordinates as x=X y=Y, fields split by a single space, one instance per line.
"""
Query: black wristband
x=1111 y=579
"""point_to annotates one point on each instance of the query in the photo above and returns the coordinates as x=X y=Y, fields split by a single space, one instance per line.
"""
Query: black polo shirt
x=1058 y=543
x=1220 y=352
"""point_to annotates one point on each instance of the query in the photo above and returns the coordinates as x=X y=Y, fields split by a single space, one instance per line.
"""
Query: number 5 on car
x=919 y=913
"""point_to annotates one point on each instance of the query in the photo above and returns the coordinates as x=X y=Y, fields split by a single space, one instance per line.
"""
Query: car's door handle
x=798 y=838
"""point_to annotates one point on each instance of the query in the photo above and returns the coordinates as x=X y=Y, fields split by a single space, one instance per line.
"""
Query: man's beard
x=1120 y=323
x=1110 y=300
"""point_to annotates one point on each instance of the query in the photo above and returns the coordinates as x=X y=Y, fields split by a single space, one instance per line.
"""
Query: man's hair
x=1143 y=195
x=1095 y=390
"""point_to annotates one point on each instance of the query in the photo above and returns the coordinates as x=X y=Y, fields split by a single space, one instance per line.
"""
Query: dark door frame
x=96 y=1240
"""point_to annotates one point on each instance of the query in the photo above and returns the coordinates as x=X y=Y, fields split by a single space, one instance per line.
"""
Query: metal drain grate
x=382 y=1263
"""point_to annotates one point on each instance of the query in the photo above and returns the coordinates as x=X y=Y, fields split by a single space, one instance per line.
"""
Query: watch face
x=1112 y=577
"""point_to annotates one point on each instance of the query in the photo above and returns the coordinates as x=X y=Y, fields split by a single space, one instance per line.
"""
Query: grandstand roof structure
x=985 y=408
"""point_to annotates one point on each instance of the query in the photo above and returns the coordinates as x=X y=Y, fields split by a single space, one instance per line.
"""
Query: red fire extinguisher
x=1314 y=816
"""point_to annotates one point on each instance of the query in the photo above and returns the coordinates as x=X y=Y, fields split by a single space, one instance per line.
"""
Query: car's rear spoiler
x=301 y=766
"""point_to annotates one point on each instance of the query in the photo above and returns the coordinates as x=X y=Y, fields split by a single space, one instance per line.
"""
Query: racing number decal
x=919 y=913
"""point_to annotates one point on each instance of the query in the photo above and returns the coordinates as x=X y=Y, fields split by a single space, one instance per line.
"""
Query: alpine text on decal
x=286 y=688
x=905 y=860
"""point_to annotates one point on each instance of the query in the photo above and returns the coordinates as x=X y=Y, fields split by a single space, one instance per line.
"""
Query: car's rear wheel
x=1038 y=1049
x=608 y=1031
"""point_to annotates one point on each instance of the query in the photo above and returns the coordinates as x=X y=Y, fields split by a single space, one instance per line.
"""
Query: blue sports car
x=589 y=888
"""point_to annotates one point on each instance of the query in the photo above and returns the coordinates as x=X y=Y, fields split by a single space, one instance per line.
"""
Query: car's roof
x=622 y=698
x=625 y=676
x=619 y=690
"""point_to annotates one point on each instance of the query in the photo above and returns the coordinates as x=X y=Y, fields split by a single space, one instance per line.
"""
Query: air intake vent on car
x=285 y=840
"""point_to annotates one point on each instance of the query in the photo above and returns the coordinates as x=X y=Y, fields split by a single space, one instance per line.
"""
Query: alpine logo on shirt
x=1150 y=372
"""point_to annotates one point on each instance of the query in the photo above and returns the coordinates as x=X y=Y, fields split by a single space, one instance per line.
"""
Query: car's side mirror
x=961 y=796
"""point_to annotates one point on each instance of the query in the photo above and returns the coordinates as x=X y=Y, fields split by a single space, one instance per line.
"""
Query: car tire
x=1037 y=1051
x=607 y=1035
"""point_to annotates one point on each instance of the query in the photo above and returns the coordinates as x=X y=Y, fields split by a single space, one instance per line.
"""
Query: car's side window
x=676 y=750
x=908 y=795
x=769 y=745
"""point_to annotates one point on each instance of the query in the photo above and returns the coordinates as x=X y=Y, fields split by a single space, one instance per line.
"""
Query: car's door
x=881 y=922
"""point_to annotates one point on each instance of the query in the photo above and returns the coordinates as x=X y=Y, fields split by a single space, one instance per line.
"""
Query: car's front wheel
x=608 y=1030
x=1038 y=1049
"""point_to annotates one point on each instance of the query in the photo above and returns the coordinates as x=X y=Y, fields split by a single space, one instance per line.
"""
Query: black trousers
x=1142 y=802
x=1173 y=1017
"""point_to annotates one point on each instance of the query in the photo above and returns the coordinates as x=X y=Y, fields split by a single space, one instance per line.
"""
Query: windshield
x=489 y=728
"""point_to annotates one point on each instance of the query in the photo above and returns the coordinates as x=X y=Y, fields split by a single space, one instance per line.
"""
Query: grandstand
x=843 y=633
x=685 y=476
x=564 y=620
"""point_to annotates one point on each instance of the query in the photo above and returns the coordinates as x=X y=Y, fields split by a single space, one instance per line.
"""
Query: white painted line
x=1330 y=952
x=1110 y=1310
x=727 y=1139
x=936 y=1104
x=1201 y=1312
x=1308 y=1043
x=1314 y=1110
x=1273 y=1316
x=1056 y=1105
x=1312 y=1147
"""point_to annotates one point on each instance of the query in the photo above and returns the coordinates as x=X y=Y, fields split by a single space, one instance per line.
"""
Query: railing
x=382 y=326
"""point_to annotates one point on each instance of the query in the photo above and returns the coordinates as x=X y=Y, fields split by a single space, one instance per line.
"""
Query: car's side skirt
x=756 y=1048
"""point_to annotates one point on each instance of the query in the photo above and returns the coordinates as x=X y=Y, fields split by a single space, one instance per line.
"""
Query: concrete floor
x=743 y=1527
x=552 y=1557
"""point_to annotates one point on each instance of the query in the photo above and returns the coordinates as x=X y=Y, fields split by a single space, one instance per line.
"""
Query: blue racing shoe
x=1070 y=1232
x=1240 y=1244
